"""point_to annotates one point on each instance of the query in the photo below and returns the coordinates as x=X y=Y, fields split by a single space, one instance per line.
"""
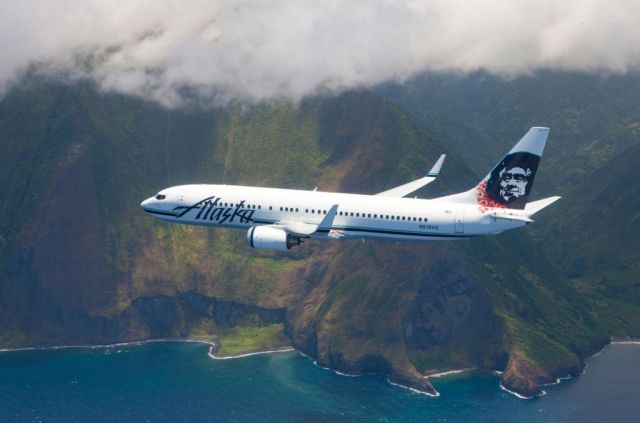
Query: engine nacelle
x=271 y=238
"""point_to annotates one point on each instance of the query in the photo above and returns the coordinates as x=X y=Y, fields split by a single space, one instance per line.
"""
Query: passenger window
x=369 y=215
x=280 y=208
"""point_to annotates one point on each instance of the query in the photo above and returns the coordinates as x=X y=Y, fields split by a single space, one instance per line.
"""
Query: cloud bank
x=254 y=50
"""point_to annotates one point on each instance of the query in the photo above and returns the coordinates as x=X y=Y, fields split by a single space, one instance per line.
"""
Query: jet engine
x=271 y=238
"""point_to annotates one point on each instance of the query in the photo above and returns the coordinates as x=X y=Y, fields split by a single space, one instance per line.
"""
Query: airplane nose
x=146 y=202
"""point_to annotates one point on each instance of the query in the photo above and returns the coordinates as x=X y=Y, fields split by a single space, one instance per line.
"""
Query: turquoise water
x=175 y=381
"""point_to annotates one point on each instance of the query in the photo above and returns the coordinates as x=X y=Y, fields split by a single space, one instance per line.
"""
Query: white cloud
x=253 y=50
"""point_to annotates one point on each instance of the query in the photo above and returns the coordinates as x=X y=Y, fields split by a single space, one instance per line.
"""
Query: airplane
x=279 y=219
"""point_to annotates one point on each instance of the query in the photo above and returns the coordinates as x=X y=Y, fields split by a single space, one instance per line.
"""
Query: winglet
x=408 y=188
x=436 y=167
x=327 y=222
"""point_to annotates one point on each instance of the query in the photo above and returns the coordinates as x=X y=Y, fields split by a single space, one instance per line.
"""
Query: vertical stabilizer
x=509 y=183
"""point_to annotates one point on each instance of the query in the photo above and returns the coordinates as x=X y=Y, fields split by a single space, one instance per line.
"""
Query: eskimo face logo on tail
x=509 y=184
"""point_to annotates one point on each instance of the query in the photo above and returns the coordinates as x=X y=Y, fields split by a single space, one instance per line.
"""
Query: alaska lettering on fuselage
x=213 y=209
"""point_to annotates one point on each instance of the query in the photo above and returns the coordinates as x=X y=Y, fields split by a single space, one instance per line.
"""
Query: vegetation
x=247 y=339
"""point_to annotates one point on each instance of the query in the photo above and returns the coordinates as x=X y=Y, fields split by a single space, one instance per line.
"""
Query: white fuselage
x=358 y=216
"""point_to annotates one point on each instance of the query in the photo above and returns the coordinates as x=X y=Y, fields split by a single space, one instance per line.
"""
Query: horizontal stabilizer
x=509 y=215
x=408 y=188
x=535 y=206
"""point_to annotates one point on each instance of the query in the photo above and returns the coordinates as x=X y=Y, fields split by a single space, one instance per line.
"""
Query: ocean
x=179 y=382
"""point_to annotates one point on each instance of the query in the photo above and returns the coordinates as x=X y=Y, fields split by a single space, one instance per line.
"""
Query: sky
x=257 y=50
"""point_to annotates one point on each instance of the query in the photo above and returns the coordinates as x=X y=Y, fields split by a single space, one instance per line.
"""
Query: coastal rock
x=524 y=378
x=411 y=379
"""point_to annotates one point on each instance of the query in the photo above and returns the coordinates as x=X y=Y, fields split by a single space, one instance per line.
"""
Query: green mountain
x=591 y=160
x=80 y=263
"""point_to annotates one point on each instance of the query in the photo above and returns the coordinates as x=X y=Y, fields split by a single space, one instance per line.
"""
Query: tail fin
x=509 y=183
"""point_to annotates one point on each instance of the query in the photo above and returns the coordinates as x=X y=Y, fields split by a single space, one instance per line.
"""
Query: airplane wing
x=298 y=228
x=406 y=189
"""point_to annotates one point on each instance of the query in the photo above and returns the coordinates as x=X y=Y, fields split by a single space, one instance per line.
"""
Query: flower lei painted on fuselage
x=484 y=202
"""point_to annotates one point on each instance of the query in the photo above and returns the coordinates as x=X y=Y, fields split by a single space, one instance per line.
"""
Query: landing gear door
x=459 y=223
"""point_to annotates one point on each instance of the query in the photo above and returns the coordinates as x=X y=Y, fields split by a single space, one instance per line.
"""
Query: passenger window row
x=341 y=213
x=383 y=216
x=358 y=214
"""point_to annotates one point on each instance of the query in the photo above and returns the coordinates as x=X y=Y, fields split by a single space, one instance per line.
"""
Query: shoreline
x=559 y=380
x=315 y=363
x=212 y=344
x=117 y=344
x=417 y=391
x=249 y=354
x=449 y=373
x=517 y=395
x=625 y=341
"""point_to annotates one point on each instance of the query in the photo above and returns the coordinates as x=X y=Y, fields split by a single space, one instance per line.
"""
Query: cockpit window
x=160 y=197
